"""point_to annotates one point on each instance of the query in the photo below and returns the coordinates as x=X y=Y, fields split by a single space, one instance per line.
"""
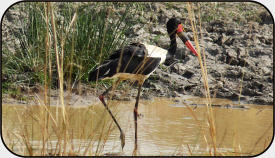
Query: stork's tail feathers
x=93 y=75
x=99 y=72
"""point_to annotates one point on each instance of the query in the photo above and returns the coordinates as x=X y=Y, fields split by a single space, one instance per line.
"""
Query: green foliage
x=97 y=31
x=24 y=65
x=239 y=12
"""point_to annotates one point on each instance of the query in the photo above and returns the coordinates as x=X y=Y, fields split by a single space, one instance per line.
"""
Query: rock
x=216 y=26
x=266 y=18
x=158 y=30
x=261 y=100
x=188 y=74
x=230 y=31
x=226 y=93
x=229 y=41
x=231 y=57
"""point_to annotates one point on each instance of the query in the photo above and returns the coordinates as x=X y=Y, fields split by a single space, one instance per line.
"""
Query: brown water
x=166 y=128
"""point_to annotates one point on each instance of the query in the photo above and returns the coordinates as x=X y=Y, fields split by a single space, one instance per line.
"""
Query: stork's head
x=175 y=27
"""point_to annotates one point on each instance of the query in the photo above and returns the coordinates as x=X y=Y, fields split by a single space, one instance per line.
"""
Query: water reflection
x=168 y=128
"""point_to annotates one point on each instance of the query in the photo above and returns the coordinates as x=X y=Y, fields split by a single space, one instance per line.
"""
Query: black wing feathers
x=133 y=60
x=135 y=49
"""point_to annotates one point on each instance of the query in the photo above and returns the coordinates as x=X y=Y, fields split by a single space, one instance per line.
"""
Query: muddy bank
x=238 y=51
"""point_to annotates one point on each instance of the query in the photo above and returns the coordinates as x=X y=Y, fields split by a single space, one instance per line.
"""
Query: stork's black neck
x=171 y=51
x=173 y=46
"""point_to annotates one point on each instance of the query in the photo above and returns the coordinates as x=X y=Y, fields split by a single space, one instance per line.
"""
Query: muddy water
x=166 y=127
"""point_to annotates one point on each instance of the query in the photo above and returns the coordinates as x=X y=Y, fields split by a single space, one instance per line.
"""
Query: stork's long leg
x=136 y=114
x=101 y=98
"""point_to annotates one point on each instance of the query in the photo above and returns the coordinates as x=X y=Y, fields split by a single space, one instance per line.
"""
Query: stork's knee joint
x=101 y=98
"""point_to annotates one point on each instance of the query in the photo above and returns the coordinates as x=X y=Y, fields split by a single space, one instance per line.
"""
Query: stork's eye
x=180 y=28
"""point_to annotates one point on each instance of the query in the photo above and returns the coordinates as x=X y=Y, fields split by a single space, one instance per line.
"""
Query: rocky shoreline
x=239 y=56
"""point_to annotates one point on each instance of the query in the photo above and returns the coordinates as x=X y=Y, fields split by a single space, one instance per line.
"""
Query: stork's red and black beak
x=185 y=39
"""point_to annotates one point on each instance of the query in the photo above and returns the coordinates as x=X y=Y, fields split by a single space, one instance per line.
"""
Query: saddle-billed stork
x=136 y=62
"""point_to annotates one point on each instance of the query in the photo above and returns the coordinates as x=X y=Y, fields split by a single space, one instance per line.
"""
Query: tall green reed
x=98 y=29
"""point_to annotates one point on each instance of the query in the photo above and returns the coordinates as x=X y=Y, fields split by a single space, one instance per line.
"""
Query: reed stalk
x=210 y=117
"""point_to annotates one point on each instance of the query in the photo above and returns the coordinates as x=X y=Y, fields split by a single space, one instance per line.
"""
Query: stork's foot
x=135 y=152
x=171 y=61
x=140 y=115
x=122 y=139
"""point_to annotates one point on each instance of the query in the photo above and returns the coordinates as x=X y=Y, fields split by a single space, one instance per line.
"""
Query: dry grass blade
x=189 y=150
x=46 y=82
x=210 y=117
x=58 y=62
